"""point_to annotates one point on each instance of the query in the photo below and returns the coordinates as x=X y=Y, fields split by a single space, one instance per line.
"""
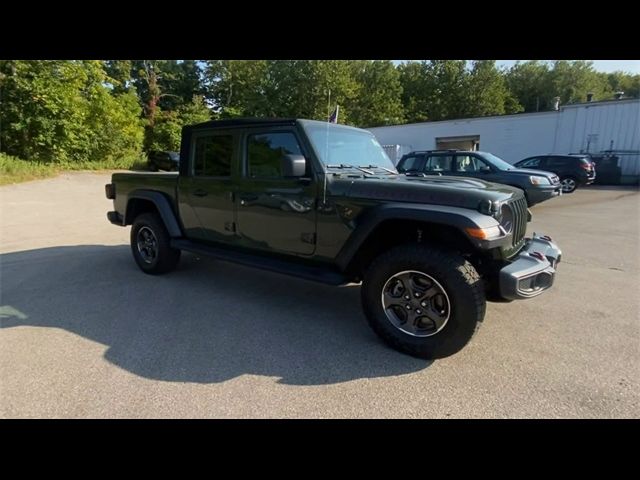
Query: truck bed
x=127 y=182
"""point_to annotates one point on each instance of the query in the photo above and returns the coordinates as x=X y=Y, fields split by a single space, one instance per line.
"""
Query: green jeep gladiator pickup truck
x=323 y=202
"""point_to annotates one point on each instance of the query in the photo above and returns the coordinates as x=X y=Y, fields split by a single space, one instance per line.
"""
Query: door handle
x=200 y=193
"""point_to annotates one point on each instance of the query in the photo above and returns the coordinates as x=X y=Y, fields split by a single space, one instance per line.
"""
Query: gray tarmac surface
x=84 y=333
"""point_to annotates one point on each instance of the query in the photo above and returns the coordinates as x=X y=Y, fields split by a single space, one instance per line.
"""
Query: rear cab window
x=212 y=155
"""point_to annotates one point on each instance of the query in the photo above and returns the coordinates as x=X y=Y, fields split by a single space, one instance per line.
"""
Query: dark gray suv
x=537 y=185
x=574 y=170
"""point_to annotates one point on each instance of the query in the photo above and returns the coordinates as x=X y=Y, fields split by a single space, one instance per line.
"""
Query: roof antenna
x=326 y=171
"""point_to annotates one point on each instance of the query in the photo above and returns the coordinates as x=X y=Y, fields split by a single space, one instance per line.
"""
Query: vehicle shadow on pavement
x=208 y=321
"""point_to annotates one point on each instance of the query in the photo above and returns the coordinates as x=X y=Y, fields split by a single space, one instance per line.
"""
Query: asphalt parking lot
x=85 y=334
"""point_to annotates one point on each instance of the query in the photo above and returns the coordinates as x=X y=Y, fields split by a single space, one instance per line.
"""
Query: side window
x=412 y=163
x=438 y=163
x=212 y=156
x=530 y=163
x=265 y=152
x=468 y=163
x=555 y=162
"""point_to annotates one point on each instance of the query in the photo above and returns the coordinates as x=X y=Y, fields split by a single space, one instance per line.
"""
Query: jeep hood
x=440 y=190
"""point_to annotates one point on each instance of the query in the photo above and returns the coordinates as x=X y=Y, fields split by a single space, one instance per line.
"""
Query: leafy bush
x=63 y=112
x=13 y=170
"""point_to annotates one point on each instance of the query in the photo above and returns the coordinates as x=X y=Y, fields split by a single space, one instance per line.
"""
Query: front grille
x=519 y=208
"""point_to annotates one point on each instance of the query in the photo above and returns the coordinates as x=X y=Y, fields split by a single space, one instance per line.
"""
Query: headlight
x=506 y=218
x=488 y=207
x=535 y=180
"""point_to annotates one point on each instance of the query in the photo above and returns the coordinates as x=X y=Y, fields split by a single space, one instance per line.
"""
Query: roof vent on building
x=619 y=95
x=556 y=103
x=589 y=97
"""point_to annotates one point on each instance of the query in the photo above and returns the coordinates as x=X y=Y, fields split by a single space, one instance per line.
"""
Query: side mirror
x=294 y=165
x=485 y=169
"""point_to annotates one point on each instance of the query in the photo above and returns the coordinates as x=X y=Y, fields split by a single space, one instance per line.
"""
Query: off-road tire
x=165 y=258
x=459 y=279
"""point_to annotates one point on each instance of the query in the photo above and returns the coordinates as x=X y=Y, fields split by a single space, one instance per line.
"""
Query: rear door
x=207 y=191
x=561 y=166
x=275 y=213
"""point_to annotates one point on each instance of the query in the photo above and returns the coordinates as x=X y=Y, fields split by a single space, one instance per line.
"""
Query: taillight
x=586 y=166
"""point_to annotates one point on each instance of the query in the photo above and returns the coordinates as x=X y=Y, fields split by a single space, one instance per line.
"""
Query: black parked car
x=160 y=160
x=538 y=186
x=574 y=170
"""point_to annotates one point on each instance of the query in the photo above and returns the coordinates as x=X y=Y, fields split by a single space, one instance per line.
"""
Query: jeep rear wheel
x=150 y=245
x=423 y=301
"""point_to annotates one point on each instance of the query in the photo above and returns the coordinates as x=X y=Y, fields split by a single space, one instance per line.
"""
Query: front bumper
x=542 y=193
x=532 y=271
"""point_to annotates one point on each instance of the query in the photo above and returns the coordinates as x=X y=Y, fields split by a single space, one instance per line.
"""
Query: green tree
x=413 y=81
x=311 y=88
x=180 y=81
x=164 y=86
x=378 y=100
x=167 y=131
x=236 y=87
x=119 y=75
x=572 y=80
x=531 y=84
x=487 y=91
x=112 y=121
x=624 y=82
x=435 y=90
x=62 y=111
x=280 y=88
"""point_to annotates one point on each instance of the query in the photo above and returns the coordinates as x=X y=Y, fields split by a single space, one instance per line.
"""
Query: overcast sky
x=632 y=66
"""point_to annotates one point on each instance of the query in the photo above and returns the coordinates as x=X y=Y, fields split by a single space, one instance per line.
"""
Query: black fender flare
x=456 y=217
x=163 y=206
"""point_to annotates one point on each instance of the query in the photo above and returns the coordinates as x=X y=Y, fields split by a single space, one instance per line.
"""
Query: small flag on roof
x=333 y=118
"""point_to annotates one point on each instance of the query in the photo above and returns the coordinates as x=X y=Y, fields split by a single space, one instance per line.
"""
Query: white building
x=590 y=127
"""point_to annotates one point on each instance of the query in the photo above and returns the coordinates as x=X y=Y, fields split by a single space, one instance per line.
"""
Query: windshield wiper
x=343 y=165
x=381 y=168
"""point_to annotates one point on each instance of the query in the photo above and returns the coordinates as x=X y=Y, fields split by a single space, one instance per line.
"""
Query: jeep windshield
x=346 y=147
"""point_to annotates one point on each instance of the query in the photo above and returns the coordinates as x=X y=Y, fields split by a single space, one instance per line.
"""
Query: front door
x=275 y=213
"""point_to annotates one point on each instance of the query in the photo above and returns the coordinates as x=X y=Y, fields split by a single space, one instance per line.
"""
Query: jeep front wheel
x=423 y=301
x=150 y=245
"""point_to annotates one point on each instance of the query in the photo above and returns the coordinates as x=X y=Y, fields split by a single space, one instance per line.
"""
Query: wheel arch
x=143 y=201
x=389 y=225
